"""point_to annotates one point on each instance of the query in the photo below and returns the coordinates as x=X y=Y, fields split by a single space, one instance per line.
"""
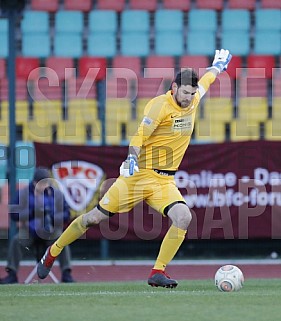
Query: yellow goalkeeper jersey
x=165 y=131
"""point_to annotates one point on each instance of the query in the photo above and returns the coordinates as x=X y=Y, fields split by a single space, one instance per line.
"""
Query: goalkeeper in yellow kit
x=155 y=153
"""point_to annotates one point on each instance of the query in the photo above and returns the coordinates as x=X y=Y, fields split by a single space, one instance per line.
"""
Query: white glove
x=221 y=60
x=129 y=166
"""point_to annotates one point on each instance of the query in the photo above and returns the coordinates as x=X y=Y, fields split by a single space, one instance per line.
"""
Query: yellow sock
x=169 y=247
x=72 y=233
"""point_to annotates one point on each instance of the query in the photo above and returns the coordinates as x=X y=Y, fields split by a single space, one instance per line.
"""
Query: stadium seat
x=235 y=20
x=36 y=45
x=64 y=21
x=35 y=132
x=46 y=89
x=218 y=109
x=131 y=63
x=222 y=87
x=197 y=20
x=21 y=110
x=3 y=166
x=276 y=83
x=35 y=21
x=47 y=112
x=4 y=38
x=102 y=45
x=163 y=46
x=81 y=88
x=236 y=41
x=84 y=5
x=234 y=69
x=207 y=4
x=175 y=19
x=103 y=21
x=199 y=63
x=135 y=44
x=253 y=109
x=97 y=63
x=140 y=105
x=71 y=132
x=209 y=132
x=27 y=68
x=242 y=4
x=25 y=160
x=201 y=43
x=273 y=129
x=59 y=65
x=267 y=43
x=244 y=130
x=111 y=5
x=268 y=20
x=68 y=45
x=121 y=87
x=21 y=89
x=43 y=5
x=270 y=4
x=84 y=110
x=258 y=61
x=150 y=87
x=3 y=72
x=149 y=5
x=160 y=67
x=183 y=5
x=4 y=132
x=253 y=85
x=276 y=111
x=134 y=21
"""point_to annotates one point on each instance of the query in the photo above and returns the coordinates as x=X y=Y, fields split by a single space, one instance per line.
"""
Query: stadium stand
x=206 y=4
x=50 y=5
x=183 y=5
x=241 y=4
x=56 y=67
x=270 y=4
x=4 y=38
x=85 y=5
x=111 y=5
x=149 y=5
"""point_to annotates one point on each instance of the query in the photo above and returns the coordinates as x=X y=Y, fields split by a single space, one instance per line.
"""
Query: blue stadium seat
x=169 y=20
x=237 y=42
x=68 y=45
x=235 y=19
x=69 y=21
x=267 y=43
x=36 y=44
x=3 y=164
x=163 y=45
x=103 y=21
x=134 y=21
x=25 y=160
x=197 y=20
x=102 y=44
x=268 y=19
x=4 y=38
x=35 y=21
x=201 y=43
x=135 y=44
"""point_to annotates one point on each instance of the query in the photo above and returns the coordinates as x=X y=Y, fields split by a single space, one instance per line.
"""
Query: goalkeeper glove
x=221 y=60
x=129 y=166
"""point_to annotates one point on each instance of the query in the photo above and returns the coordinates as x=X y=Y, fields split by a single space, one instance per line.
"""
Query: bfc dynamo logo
x=79 y=182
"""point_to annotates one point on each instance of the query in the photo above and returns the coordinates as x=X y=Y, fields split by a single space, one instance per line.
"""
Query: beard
x=182 y=104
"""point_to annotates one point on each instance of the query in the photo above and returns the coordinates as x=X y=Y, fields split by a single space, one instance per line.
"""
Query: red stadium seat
x=183 y=5
x=150 y=87
x=223 y=87
x=45 y=90
x=207 y=4
x=159 y=66
x=2 y=68
x=266 y=62
x=27 y=68
x=59 y=64
x=81 y=88
x=84 y=5
x=21 y=89
x=234 y=68
x=117 y=5
x=242 y=4
x=43 y=5
x=132 y=63
x=86 y=63
x=252 y=87
x=196 y=62
x=271 y=4
x=149 y=5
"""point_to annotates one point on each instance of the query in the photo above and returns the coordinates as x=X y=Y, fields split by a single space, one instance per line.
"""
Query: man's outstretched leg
x=76 y=229
x=181 y=217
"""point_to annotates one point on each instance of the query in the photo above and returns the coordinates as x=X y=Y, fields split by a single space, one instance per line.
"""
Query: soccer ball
x=229 y=278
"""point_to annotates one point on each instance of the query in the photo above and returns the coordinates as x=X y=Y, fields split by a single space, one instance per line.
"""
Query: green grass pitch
x=197 y=300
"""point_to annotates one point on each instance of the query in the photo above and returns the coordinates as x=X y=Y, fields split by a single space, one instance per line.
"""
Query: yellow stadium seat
x=47 y=112
x=209 y=131
x=4 y=131
x=218 y=109
x=32 y=131
x=71 y=132
x=253 y=108
x=276 y=110
x=243 y=130
x=21 y=110
x=93 y=131
x=273 y=130
x=84 y=109
x=118 y=115
x=140 y=105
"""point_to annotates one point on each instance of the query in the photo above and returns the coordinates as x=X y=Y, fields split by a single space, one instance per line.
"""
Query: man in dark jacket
x=41 y=210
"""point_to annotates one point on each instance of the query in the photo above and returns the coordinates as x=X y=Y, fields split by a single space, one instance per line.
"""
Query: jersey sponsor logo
x=79 y=181
x=183 y=123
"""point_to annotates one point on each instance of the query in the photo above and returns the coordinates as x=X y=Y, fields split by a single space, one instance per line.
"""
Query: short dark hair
x=187 y=76
x=41 y=173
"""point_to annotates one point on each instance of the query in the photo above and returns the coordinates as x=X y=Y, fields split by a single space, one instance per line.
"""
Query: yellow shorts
x=157 y=190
